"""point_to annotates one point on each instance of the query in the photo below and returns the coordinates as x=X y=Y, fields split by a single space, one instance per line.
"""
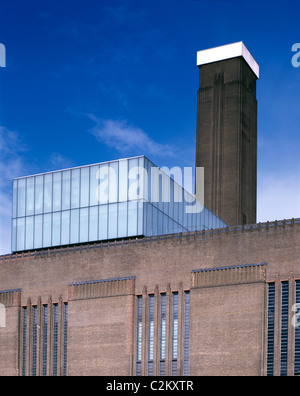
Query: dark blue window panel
x=139 y=335
x=186 y=333
x=284 y=327
x=270 y=346
x=297 y=331
x=55 y=339
x=65 y=338
x=45 y=329
x=34 y=339
x=151 y=334
x=24 y=339
x=174 y=334
x=163 y=302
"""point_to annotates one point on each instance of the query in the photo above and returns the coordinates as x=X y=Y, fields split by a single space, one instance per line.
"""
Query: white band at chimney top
x=226 y=52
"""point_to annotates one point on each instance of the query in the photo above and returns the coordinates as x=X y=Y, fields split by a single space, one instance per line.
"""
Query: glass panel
x=56 y=226
x=113 y=220
x=102 y=191
x=30 y=196
x=151 y=334
x=94 y=185
x=74 y=237
x=38 y=231
x=84 y=187
x=47 y=230
x=29 y=233
x=123 y=180
x=21 y=233
x=93 y=224
x=48 y=193
x=122 y=219
x=271 y=322
x=186 y=345
x=134 y=177
x=21 y=197
x=14 y=235
x=15 y=198
x=84 y=225
x=65 y=227
x=66 y=189
x=132 y=218
x=103 y=221
x=139 y=334
x=140 y=217
x=75 y=188
x=39 y=194
x=56 y=191
x=113 y=181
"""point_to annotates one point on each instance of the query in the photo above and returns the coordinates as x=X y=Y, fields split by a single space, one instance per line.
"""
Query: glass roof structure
x=118 y=199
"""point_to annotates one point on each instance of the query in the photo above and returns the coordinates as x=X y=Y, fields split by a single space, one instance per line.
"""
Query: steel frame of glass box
x=110 y=200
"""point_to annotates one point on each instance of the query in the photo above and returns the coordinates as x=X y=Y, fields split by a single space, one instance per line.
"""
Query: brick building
x=167 y=294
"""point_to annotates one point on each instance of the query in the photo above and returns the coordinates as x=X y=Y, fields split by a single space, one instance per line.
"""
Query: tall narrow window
x=284 y=327
x=139 y=336
x=55 y=339
x=297 y=330
x=151 y=334
x=24 y=339
x=186 y=333
x=270 y=346
x=34 y=339
x=163 y=300
x=175 y=333
x=65 y=338
x=45 y=329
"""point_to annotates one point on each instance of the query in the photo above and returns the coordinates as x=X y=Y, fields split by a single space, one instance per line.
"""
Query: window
x=186 y=333
x=284 y=327
x=163 y=300
x=139 y=336
x=151 y=334
x=297 y=331
x=175 y=333
x=270 y=346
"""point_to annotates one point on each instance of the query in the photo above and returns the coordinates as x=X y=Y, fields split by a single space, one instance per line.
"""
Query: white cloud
x=128 y=139
x=11 y=165
x=278 y=196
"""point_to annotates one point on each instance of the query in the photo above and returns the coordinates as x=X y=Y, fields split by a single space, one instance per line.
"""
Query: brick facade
x=226 y=271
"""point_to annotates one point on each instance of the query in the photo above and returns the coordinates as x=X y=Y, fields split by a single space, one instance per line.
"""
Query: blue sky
x=95 y=80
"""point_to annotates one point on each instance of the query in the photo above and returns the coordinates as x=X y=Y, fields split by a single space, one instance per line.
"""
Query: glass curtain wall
x=117 y=199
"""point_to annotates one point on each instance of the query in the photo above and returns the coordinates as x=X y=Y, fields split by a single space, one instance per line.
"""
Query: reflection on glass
x=38 y=231
x=21 y=233
x=93 y=223
x=47 y=225
x=112 y=220
x=66 y=189
x=21 y=197
x=14 y=203
x=56 y=226
x=84 y=225
x=29 y=233
x=30 y=196
x=132 y=218
x=113 y=182
x=39 y=194
x=103 y=221
x=48 y=193
x=122 y=219
x=84 y=187
x=94 y=185
x=65 y=227
x=74 y=236
x=56 y=191
x=75 y=188
x=123 y=180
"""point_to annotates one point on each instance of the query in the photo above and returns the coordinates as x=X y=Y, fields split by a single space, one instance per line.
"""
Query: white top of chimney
x=226 y=52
